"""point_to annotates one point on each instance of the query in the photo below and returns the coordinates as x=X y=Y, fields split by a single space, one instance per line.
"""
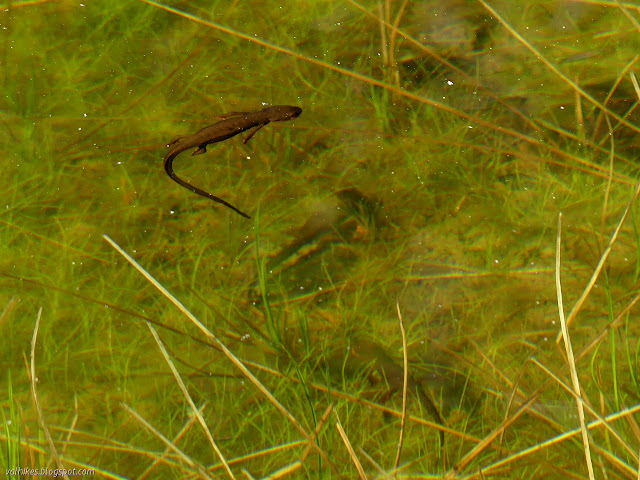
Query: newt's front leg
x=252 y=132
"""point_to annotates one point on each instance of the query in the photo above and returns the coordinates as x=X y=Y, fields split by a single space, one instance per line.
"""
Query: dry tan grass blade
x=404 y=388
x=34 y=392
x=179 y=435
x=183 y=456
x=634 y=81
x=352 y=453
x=190 y=401
x=294 y=466
x=570 y=358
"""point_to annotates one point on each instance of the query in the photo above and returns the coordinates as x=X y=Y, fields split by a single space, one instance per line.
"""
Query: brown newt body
x=232 y=124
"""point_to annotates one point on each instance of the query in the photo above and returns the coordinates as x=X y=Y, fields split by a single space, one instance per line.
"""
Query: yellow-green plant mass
x=439 y=143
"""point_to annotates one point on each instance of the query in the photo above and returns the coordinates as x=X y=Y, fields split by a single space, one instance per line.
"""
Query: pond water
x=412 y=206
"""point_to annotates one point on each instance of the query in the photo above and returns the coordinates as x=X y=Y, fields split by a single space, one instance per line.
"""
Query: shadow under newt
x=232 y=124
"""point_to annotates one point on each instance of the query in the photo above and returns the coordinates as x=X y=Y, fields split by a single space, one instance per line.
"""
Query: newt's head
x=279 y=113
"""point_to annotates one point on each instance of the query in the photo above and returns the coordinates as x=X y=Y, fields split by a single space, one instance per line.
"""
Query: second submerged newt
x=370 y=353
x=232 y=124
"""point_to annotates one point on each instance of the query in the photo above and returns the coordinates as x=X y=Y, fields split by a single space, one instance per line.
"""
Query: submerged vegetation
x=394 y=307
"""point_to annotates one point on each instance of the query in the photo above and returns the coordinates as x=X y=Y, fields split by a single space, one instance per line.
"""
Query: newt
x=232 y=124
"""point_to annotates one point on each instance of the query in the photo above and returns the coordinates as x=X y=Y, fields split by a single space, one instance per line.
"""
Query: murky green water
x=436 y=147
